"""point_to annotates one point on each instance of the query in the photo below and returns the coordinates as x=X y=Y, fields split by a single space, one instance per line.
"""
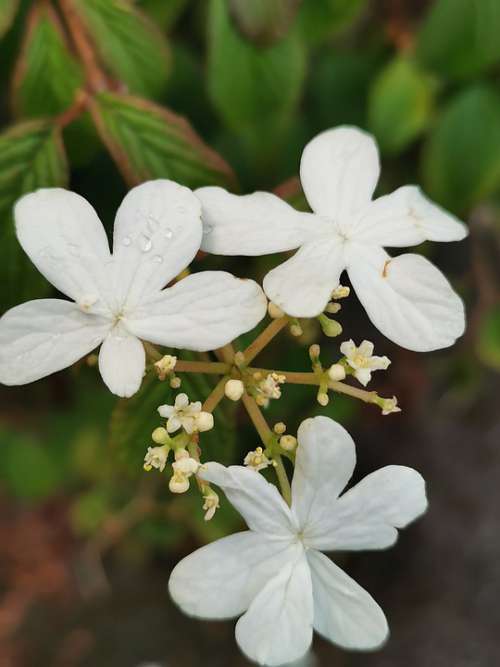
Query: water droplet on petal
x=168 y=233
x=126 y=241
x=158 y=259
x=145 y=243
x=152 y=223
x=74 y=249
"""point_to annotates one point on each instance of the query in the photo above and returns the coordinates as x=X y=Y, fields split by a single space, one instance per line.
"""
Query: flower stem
x=215 y=396
x=264 y=338
x=209 y=367
x=267 y=436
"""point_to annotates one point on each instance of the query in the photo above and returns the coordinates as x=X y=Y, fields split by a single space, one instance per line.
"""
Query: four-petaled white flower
x=119 y=296
x=186 y=415
x=156 y=457
x=362 y=361
x=275 y=574
x=407 y=298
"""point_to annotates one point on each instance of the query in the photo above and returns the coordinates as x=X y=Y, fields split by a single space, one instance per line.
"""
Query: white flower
x=119 y=297
x=406 y=297
x=362 y=361
x=390 y=405
x=184 y=463
x=165 y=366
x=275 y=574
x=257 y=460
x=211 y=504
x=156 y=457
x=179 y=483
x=180 y=415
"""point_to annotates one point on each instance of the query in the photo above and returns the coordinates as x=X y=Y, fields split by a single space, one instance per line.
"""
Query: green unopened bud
x=160 y=436
x=331 y=328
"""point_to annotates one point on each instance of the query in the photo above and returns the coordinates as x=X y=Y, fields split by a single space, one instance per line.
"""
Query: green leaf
x=47 y=76
x=339 y=84
x=147 y=141
x=461 y=158
x=321 y=19
x=460 y=38
x=129 y=44
x=255 y=90
x=163 y=13
x=400 y=105
x=263 y=21
x=31 y=156
x=8 y=9
x=488 y=343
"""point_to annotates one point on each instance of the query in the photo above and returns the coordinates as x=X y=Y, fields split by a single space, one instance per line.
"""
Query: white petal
x=405 y=218
x=407 y=298
x=368 y=515
x=201 y=312
x=157 y=233
x=254 y=224
x=344 y=612
x=221 y=579
x=122 y=361
x=339 y=171
x=277 y=627
x=302 y=285
x=324 y=463
x=65 y=240
x=258 y=501
x=41 y=337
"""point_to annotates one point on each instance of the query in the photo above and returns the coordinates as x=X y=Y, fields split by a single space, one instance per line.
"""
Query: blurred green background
x=99 y=95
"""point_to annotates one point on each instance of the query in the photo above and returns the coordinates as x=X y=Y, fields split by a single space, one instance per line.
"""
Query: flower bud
x=336 y=372
x=279 y=428
x=165 y=366
x=175 y=382
x=288 y=443
x=160 y=436
x=204 y=421
x=331 y=328
x=323 y=398
x=341 y=292
x=274 y=311
x=234 y=389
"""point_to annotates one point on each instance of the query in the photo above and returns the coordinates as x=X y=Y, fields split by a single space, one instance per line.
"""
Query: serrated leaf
x=8 y=9
x=147 y=141
x=263 y=21
x=321 y=19
x=128 y=43
x=488 y=342
x=31 y=156
x=461 y=158
x=400 y=104
x=460 y=38
x=255 y=90
x=47 y=75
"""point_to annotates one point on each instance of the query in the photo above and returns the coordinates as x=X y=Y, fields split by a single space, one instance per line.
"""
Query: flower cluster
x=130 y=299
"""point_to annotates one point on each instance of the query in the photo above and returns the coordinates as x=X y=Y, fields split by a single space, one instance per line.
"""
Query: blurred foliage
x=227 y=92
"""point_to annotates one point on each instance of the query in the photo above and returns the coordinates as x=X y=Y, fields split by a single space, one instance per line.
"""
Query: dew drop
x=168 y=233
x=126 y=241
x=74 y=249
x=145 y=243
x=158 y=259
x=152 y=223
